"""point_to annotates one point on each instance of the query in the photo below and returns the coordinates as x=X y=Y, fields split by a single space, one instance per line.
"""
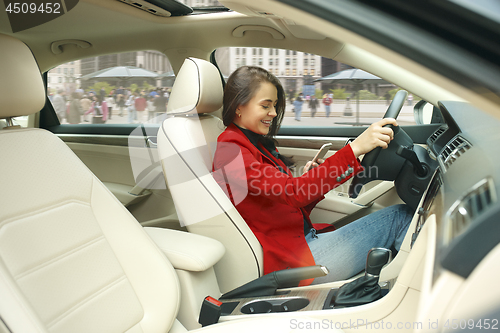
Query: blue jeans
x=327 y=109
x=298 y=111
x=344 y=250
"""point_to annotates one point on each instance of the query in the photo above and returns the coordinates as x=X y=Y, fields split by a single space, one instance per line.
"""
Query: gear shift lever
x=376 y=259
x=365 y=289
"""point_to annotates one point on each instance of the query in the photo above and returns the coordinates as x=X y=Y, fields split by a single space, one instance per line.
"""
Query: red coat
x=272 y=203
x=140 y=104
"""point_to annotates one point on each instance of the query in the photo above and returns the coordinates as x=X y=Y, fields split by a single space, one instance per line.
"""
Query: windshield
x=487 y=8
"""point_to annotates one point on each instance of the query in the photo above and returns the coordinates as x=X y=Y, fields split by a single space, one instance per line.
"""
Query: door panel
x=108 y=157
x=109 y=163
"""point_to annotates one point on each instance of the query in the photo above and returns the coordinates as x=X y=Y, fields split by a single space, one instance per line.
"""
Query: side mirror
x=426 y=113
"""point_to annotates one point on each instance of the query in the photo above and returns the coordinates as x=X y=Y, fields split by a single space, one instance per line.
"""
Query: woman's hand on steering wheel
x=377 y=135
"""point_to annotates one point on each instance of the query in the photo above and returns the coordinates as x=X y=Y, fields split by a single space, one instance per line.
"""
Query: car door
x=117 y=142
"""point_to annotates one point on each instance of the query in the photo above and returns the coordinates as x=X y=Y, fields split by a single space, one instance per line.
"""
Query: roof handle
x=240 y=31
x=57 y=46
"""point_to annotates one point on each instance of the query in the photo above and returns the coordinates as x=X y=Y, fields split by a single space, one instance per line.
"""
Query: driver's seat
x=186 y=145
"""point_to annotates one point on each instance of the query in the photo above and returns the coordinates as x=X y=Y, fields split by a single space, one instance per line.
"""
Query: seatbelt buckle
x=210 y=311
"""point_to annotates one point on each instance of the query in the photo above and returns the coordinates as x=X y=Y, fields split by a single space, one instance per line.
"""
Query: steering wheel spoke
x=370 y=158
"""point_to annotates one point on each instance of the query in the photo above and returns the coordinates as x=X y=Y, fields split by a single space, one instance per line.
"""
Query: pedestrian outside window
x=125 y=88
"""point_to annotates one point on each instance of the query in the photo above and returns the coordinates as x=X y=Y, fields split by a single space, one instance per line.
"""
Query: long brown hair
x=241 y=88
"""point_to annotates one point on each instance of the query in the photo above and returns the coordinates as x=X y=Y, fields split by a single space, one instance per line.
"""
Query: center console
x=363 y=290
x=288 y=301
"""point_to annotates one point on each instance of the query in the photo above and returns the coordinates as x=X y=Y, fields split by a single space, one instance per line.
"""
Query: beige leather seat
x=72 y=258
x=186 y=144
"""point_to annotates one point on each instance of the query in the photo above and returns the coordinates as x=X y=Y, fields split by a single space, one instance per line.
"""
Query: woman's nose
x=272 y=112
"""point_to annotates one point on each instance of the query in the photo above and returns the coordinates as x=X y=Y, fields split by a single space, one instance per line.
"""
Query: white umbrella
x=353 y=76
x=121 y=73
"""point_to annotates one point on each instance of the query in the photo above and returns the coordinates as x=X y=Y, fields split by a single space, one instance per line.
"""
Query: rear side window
x=123 y=88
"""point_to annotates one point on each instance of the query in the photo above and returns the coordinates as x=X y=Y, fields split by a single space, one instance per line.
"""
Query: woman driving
x=275 y=204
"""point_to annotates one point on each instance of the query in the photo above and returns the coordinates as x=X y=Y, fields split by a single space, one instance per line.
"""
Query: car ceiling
x=117 y=27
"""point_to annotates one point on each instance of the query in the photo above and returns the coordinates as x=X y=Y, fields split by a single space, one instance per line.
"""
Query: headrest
x=22 y=91
x=197 y=88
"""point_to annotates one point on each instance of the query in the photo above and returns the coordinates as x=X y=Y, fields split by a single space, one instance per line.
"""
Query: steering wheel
x=370 y=158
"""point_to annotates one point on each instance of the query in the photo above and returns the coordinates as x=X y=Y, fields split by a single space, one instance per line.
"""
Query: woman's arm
x=238 y=170
x=374 y=136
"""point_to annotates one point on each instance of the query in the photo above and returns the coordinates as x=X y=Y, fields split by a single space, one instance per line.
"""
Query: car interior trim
x=466 y=251
x=99 y=139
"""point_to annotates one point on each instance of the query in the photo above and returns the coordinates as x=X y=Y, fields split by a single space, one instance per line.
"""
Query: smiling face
x=258 y=114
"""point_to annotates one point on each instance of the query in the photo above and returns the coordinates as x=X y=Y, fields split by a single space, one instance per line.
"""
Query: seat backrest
x=186 y=144
x=72 y=258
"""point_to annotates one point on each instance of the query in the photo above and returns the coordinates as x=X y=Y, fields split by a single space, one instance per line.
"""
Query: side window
x=122 y=88
x=319 y=90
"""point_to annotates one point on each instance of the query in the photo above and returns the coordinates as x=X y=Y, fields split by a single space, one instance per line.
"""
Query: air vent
x=453 y=150
x=436 y=135
x=468 y=208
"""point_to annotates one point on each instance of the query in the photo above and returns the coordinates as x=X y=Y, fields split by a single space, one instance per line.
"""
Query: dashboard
x=462 y=196
x=465 y=186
